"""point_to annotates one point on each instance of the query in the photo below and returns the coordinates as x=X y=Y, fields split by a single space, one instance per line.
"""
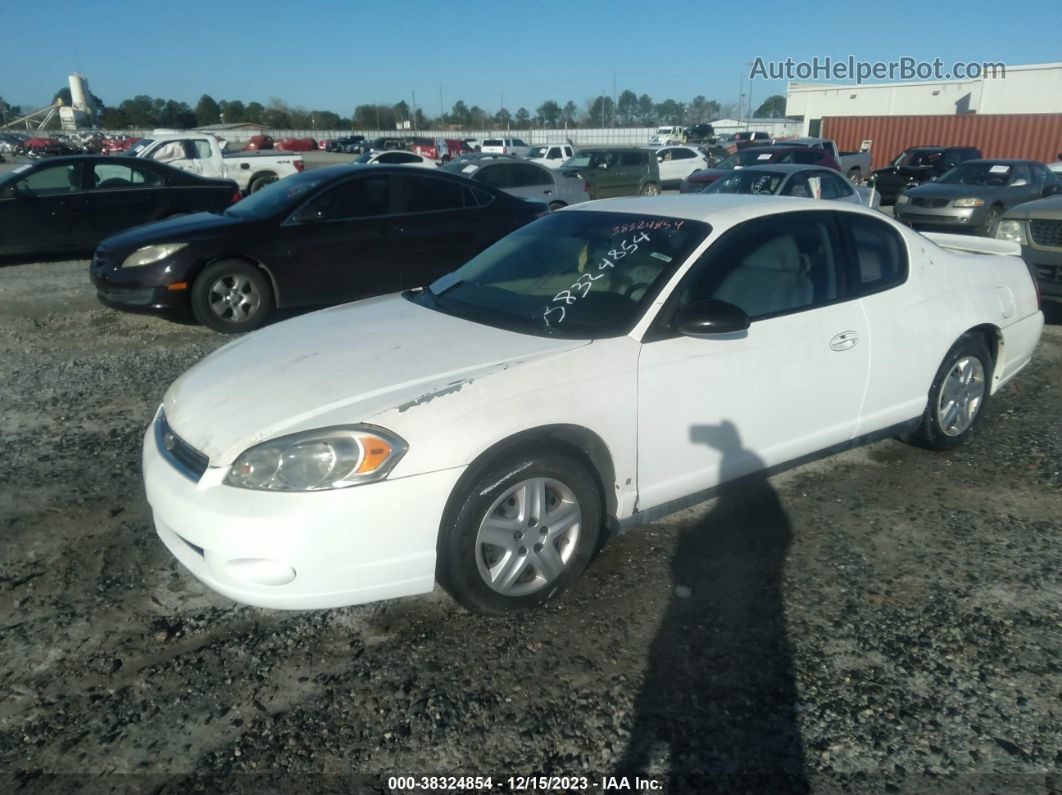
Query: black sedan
x=321 y=237
x=72 y=203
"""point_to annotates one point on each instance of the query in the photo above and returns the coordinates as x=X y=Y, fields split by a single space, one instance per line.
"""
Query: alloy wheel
x=961 y=395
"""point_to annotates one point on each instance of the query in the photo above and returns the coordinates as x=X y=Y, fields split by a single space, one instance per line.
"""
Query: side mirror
x=1019 y=183
x=308 y=214
x=710 y=317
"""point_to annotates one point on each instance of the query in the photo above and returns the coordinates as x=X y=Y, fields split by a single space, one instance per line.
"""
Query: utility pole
x=413 y=113
x=442 y=108
x=613 y=99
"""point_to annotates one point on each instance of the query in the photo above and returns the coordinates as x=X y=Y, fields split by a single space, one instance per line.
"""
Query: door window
x=1021 y=171
x=798 y=186
x=528 y=175
x=497 y=175
x=428 y=194
x=680 y=153
x=554 y=153
x=833 y=186
x=772 y=266
x=51 y=181
x=632 y=158
x=357 y=198
x=880 y=252
x=197 y=149
x=108 y=176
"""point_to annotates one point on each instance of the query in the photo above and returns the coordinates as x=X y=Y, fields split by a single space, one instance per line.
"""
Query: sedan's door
x=532 y=181
x=42 y=211
x=712 y=409
x=120 y=196
x=340 y=245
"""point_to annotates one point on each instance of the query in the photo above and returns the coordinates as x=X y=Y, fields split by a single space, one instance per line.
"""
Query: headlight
x=902 y=199
x=149 y=254
x=969 y=202
x=328 y=458
x=1012 y=230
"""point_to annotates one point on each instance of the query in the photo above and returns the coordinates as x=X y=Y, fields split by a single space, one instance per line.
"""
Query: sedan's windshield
x=917 y=158
x=990 y=174
x=583 y=275
x=275 y=198
x=537 y=151
x=743 y=181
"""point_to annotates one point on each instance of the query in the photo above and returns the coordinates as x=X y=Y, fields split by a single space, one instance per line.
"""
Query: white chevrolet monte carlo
x=592 y=371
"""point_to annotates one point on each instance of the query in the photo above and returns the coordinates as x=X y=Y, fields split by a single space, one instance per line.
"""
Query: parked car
x=917 y=165
x=747 y=138
x=973 y=196
x=667 y=136
x=439 y=150
x=524 y=179
x=347 y=144
x=201 y=154
x=700 y=133
x=854 y=165
x=257 y=143
x=599 y=368
x=505 y=146
x=550 y=155
x=325 y=236
x=678 y=162
x=1037 y=227
x=787 y=179
x=1057 y=165
x=296 y=144
x=395 y=157
x=758 y=156
x=72 y=203
x=615 y=171
x=382 y=145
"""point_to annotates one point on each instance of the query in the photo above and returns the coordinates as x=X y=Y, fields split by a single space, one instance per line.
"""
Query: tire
x=957 y=397
x=261 y=181
x=991 y=221
x=855 y=176
x=512 y=502
x=232 y=296
x=556 y=205
x=650 y=189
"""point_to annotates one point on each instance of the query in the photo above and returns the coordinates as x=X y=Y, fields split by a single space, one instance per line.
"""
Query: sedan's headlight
x=328 y=458
x=150 y=254
x=1012 y=230
x=903 y=198
x=969 y=202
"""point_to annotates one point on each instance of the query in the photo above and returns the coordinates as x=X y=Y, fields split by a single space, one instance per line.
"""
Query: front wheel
x=855 y=176
x=650 y=189
x=520 y=533
x=992 y=221
x=231 y=297
x=957 y=397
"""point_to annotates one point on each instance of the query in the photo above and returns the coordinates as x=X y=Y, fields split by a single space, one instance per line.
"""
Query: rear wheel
x=650 y=189
x=957 y=397
x=520 y=533
x=231 y=297
x=261 y=181
x=553 y=206
x=992 y=221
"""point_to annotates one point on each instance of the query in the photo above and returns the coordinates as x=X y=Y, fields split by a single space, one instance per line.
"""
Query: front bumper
x=147 y=289
x=297 y=551
x=951 y=219
x=1046 y=266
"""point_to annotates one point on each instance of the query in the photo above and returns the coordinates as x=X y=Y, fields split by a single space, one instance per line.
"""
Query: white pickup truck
x=201 y=154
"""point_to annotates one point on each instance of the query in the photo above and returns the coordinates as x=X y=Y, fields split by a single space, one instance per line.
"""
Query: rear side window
x=108 y=176
x=880 y=253
x=528 y=175
x=493 y=142
x=498 y=175
x=429 y=194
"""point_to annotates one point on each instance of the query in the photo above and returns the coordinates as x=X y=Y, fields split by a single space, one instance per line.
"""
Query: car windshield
x=275 y=198
x=918 y=158
x=537 y=151
x=582 y=275
x=976 y=174
x=743 y=181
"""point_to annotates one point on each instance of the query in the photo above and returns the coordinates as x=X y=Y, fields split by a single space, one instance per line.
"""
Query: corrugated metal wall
x=1035 y=136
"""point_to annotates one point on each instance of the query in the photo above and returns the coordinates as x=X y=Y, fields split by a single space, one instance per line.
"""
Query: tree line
x=627 y=110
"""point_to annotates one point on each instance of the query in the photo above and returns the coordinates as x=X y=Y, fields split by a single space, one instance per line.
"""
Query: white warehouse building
x=1035 y=88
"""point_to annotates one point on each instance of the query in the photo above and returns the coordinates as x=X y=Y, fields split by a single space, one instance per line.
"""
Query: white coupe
x=592 y=371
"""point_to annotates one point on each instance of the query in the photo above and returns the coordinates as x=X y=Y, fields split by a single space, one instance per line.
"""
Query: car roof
x=788 y=168
x=720 y=210
x=1002 y=161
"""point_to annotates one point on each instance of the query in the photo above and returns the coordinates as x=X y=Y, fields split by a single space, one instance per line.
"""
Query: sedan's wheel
x=855 y=176
x=231 y=297
x=519 y=533
x=650 y=189
x=957 y=397
x=992 y=221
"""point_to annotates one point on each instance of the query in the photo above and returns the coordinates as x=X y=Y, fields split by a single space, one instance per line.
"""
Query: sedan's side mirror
x=709 y=317
x=1019 y=183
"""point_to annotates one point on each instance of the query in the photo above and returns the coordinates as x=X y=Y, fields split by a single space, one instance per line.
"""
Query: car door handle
x=844 y=341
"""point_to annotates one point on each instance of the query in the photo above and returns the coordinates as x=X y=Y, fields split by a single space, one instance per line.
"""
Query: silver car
x=524 y=179
x=792 y=179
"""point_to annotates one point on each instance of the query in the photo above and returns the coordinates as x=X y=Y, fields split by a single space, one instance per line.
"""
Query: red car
x=111 y=146
x=296 y=144
x=441 y=150
x=758 y=156
x=258 y=142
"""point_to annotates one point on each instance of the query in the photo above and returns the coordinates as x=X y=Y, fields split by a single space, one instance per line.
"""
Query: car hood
x=184 y=228
x=1048 y=209
x=936 y=190
x=341 y=365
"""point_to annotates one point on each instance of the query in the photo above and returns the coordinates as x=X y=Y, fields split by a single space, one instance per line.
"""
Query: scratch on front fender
x=449 y=389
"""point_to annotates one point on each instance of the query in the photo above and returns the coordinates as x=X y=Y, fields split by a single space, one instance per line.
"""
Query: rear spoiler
x=971 y=244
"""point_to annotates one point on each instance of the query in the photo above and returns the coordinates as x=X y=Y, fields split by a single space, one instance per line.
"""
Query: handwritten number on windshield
x=581 y=287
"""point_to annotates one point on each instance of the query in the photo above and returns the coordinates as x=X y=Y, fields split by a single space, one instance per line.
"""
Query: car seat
x=773 y=278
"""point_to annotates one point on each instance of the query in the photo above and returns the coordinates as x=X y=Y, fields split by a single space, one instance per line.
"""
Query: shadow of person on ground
x=716 y=709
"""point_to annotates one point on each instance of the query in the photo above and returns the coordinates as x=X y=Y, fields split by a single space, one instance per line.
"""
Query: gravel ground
x=886 y=620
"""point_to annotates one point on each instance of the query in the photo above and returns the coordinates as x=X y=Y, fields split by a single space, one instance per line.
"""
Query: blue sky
x=333 y=56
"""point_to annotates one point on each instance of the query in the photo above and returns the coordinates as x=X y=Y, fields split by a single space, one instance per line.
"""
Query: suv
x=550 y=155
x=615 y=171
x=700 y=134
x=348 y=144
x=504 y=146
x=919 y=164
